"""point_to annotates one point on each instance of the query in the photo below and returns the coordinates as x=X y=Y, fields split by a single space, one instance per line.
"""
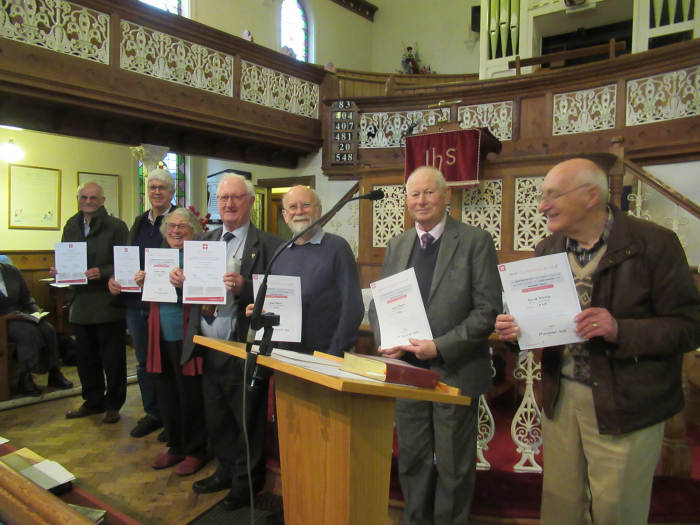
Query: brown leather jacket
x=644 y=281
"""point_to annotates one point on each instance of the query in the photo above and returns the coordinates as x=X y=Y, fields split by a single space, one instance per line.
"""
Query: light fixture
x=11 y=152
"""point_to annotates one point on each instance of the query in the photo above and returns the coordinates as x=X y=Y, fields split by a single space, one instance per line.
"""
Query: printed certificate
x=204 y=268
x=283 y=298
x=541 y=296
x=400 y=309
x=159 y=262
x=71 y=262
x=126 y=264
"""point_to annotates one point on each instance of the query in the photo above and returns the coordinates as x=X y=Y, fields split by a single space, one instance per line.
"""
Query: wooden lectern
x=335 y=439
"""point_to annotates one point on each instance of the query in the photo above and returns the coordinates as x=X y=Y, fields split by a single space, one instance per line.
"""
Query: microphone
x=414 y=125
x=257 y=319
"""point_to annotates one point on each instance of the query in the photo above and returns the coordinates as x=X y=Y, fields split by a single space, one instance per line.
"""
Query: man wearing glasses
x=248 y=252
x=332 y=307
x=100 y=330
x=145 y=233
x=606 y=400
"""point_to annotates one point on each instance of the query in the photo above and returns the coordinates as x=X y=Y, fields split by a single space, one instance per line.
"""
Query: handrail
x=23 y=502
x=610 y=48
x=664 y=189
x=347 y=195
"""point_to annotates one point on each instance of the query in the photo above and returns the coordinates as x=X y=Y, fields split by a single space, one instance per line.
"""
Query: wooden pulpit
x=335 y=439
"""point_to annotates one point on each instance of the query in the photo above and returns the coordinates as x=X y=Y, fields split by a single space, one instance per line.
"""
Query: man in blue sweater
x=332 y=307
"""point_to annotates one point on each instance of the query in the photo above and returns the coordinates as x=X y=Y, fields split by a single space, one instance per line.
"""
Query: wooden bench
x=610 y=49
x=6 y=349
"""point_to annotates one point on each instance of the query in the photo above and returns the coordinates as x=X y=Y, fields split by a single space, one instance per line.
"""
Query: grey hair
x=163 y=175
x=187 y=214
x=591 y=173
x=439 y=178
x=313 y=192
x=249 y=185
x=82 y=187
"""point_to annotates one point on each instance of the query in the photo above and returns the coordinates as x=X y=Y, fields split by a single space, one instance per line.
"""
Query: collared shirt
x=316 y=238
x=224 y=324
x=585 y=256
x=3 y=286
x=436 y=232
x=151 y=218
x=86 y=226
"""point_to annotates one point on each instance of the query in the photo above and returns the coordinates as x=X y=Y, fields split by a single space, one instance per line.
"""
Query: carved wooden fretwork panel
x=56 y=25
x=481 y=207
x=165 y=57
x=664 y=97
x=388 y=215
x=530 y=225
x=498 y=117
x=267 y=87
x=583 y=111
x=383 y=130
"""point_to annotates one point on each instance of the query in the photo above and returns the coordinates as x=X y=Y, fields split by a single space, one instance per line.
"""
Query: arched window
x=171 y=6
x=294 y=29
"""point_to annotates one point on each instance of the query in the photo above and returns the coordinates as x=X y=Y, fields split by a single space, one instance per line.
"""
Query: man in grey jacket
x=456 y=270
x=100 y=327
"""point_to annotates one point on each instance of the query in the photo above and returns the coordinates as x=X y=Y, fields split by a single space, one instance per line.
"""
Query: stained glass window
x=294 y=29
x=171 y=6
x=175 y=164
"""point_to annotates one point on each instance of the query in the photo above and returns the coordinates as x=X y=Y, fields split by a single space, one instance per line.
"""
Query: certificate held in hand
x=71 y=263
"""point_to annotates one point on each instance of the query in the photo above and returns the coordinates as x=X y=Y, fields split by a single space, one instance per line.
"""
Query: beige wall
x=340 y=35
x=70 y=156
x=441 y=28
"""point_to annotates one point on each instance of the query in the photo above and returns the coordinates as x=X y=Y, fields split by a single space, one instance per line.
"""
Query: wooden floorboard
x=115 y=467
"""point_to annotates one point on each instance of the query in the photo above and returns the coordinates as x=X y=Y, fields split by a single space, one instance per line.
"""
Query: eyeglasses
x=156 y=189
x=235 y=198
x=304 y=207
x=177 y=227
x=552 y=197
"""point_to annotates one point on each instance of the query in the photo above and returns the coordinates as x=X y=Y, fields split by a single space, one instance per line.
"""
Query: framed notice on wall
x=34 y=198
x=110 y=185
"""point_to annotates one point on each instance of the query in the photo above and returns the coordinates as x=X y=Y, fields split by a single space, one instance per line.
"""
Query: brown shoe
x=112 y=416
x=83 y=411
x=165 y=460
x=189 y=466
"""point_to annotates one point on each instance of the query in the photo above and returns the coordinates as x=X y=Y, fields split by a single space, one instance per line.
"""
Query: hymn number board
x=343 y=132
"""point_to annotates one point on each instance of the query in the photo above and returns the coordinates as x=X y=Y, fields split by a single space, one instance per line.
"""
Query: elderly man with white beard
x=332 y=307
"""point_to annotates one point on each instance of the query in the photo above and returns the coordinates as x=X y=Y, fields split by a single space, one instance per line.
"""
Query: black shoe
x=234 y=501
x=27 y=386
x=163 y=437
x=275 y=519
x=145 y=426
x=58 y=380
x=211 y=484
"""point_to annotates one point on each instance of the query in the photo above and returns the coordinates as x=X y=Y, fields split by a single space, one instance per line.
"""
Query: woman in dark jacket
x=179 y=386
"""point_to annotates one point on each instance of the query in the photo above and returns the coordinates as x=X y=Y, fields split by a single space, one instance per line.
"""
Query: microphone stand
x=268 y=321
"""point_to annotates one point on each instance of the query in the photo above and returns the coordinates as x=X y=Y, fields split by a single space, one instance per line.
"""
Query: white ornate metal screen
x=387 y=215
x=481 y=207
x=383 y=130
x=530 y=225
x=267 y=87
x=57 y=25
x=497 y=117
x=664 y=97
x=584 y=111
x=162 y=56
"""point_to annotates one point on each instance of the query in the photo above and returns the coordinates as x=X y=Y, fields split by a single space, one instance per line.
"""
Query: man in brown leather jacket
x=606 y=400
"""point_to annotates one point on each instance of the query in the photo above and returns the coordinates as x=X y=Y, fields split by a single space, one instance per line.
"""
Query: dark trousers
x=442 y=495
x=181 y=404
x=223 y=400
x=101 y=351
x=37 y=345
x=137 y=321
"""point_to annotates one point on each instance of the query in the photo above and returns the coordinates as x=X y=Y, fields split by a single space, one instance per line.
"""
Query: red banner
x=456 y=154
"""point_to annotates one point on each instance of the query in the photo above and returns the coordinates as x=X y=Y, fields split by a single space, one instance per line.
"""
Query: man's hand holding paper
x=542 y=301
